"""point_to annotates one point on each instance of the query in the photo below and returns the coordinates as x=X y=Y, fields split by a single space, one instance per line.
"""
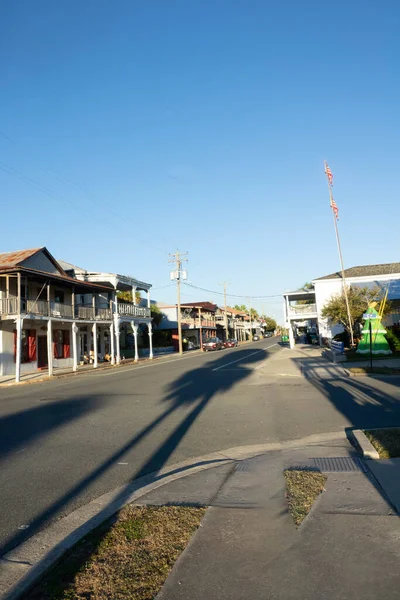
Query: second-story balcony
x=56 y=310
x=132 y=310
x=302 y=310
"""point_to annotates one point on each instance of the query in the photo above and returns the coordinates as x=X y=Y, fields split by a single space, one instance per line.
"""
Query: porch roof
x=300 y=294
x=77 y=283
x=119 y=282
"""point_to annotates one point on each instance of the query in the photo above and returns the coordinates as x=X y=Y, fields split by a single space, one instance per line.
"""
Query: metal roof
x=14 y=258
x=365 y=271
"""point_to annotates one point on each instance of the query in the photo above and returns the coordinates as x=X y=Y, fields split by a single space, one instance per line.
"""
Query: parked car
x=256 y=337
x=231 y=343
x=213 y=343
x=268 y=334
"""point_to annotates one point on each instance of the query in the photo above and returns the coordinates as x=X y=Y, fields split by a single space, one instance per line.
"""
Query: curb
x=22 y=566
x=360 y=440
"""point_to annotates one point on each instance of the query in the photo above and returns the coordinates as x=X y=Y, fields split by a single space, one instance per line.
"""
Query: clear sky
x=132 y=128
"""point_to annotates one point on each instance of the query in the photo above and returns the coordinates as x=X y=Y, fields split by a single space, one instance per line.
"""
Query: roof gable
x=39 y=259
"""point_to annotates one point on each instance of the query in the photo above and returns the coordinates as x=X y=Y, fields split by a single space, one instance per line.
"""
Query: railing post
x=94 y=305
x=48 y=300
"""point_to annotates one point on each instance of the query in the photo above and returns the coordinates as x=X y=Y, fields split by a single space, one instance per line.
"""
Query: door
x=42 y=351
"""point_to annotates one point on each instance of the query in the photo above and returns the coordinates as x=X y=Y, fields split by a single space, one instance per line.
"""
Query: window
x=28 y=345
x=61 y=343
x=59 y=296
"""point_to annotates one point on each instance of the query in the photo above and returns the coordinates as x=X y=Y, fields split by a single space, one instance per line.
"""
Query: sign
x=337 y=346
x=370 y=316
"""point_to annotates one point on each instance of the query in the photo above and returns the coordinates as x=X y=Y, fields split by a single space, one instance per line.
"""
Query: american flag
x=329 y=174
x=335 y=209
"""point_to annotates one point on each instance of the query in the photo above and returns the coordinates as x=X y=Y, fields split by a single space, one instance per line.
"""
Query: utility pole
x=251 y=328
x=226 y=314
x=178 y=274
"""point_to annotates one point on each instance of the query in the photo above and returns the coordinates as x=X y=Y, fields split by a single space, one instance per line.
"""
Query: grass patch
x=302 y=489
x=385 y=441
x=130 y=556
x=377 y=370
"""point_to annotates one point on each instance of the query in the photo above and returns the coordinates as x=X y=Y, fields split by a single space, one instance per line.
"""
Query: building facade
x=51 y=317
x=308 y=313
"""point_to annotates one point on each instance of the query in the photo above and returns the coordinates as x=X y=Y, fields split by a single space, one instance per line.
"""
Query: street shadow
x=363 y=404
x=22 y=428
x=191 y=392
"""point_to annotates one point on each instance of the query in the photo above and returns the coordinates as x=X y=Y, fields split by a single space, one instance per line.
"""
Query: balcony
x=56 y=310
x=132 y=310
x=302 y=310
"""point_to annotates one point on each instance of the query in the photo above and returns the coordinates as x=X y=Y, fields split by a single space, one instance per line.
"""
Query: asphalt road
x=67 y=441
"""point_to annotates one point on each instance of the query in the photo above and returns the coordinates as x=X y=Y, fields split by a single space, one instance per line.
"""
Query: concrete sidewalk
x=248 y=546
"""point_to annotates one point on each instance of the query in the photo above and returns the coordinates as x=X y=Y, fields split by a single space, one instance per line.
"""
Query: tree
x=241 y=307
x=156 y=314
x=254 y=314
x=335 y=309
x=126 y=296
x=269 y=323
x=306 y=287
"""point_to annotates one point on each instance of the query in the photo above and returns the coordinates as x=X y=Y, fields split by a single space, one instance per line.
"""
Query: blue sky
x=130 y=129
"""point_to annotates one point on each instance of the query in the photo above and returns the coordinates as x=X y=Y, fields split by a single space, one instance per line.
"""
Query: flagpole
x=340 y=257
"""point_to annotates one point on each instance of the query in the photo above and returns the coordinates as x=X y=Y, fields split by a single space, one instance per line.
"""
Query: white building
x=50 y=318
x=128 y=316
x=297 y=315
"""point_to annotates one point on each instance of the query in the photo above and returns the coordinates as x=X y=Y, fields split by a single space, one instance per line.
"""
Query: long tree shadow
x=195 y=388
x=358 y=400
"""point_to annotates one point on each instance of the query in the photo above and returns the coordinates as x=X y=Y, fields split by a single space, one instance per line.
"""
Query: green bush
x=393 y=341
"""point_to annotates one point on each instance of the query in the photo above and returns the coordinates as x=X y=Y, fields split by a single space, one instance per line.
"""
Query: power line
x=231 y=295
x=64 y=180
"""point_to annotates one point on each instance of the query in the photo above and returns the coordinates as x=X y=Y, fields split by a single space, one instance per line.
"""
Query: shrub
x=393 y=341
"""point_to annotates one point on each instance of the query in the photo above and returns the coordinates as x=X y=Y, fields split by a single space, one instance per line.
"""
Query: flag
x=329 y=174
x=335 y=209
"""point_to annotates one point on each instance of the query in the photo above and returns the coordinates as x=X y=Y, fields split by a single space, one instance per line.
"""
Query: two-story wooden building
x=51 y=318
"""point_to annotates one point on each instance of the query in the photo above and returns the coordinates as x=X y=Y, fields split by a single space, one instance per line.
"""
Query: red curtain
x=31 y=345
x=55 y=340
x=67 y=347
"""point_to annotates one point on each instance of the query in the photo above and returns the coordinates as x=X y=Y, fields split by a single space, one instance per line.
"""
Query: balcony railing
x=9 y=306
x=42 y=308
x=131 y=310
x=105 y=314
x=302 y=309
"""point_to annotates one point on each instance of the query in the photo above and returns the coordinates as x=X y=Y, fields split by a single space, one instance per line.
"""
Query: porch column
x=89 y=341
x=135 y=333
x=19 y=322
x=102 y=343
x=95 y=359
x=148 y=298
x=291 y=336
x=117 y=339
x=50 y=347
x=150 y=328
x=74 y=347
x=112 y=338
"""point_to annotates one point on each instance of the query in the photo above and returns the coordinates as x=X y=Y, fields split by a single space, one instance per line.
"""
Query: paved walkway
x=248 y=546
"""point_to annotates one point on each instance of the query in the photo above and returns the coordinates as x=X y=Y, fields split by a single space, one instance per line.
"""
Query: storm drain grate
x=340 y=464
